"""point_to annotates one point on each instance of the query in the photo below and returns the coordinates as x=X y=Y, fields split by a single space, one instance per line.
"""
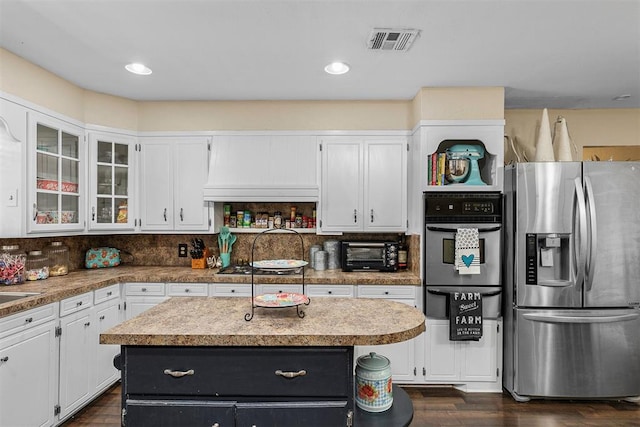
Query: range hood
x=263 y=168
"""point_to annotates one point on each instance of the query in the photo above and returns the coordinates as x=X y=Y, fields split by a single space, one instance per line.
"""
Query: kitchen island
x=196 y=361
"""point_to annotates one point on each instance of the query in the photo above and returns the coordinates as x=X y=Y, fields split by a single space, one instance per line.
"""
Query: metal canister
x=333 y=254
x=320 y=260
x=312 y=255
x=374 y=390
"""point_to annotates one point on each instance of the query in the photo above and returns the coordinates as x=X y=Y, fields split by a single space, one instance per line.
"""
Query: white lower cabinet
x=402 y=355
x=77 y=352
x=29 y=367
x=142 y=296
x=107 y=315
x=469 y=365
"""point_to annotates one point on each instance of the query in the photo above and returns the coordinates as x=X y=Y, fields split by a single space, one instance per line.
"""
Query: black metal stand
x=299 y=311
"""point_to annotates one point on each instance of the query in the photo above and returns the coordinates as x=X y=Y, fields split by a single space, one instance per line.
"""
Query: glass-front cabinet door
x=111 y=180
x=56 y=165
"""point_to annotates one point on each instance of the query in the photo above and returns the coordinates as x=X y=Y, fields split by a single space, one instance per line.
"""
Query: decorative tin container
x=374 y=391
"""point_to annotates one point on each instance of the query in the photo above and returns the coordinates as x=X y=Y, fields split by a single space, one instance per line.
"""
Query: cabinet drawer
x=27 y=319
x=329 y=291
x=106 y=294
x=308 y=414
x=276 y=289
x=380 y=291
x=77 y=303
x=156 y=289
x=179 y=413
x=239 y=371
x=229 y=290
x=187 y=289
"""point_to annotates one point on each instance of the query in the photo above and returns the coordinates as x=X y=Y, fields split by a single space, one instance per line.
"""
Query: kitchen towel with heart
x=467 y=251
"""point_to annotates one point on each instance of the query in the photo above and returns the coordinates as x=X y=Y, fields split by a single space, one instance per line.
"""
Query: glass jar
x=12 y=262
x=277 y=219
x=37 y=266
x=58 y=256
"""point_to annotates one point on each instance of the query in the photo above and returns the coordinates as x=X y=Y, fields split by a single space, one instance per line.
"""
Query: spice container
x=277 y=219
x=12 y=262
x=58 y=256
x=37 y=266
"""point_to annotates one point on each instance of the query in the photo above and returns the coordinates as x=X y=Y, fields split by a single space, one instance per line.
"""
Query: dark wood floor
x=445 y=406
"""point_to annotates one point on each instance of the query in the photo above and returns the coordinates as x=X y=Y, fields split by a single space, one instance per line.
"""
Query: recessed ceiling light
x=137 y=68
x=622 y=97
x=337 y=68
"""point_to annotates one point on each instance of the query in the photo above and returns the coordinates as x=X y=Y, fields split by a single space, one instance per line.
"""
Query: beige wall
x=593 y=127
x=458 y=103
x=274 y=115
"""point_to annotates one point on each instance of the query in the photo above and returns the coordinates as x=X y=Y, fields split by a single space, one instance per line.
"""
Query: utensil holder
x=226 y=259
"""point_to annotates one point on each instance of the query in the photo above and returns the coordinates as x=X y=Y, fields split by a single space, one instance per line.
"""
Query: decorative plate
x=278 y=264
x=284 y=299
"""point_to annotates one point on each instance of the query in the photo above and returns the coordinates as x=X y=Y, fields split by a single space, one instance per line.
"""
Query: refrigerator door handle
x=556 y=318
x=580 y=239
x=593 y=235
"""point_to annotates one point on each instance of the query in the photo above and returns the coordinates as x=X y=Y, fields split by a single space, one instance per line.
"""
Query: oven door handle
x=455 y=230
x=445 y=292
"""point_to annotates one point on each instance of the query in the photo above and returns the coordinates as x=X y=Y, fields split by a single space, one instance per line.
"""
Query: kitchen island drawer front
x=106 y=294
x=187 y=289
x=239 y=371
x=155 y=289
x=308 y=414
x=77 y=303
x=27 y=319
x=179 y=413
x=230 y=289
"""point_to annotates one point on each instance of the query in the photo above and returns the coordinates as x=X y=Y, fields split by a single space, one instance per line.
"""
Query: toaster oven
x=369 y=256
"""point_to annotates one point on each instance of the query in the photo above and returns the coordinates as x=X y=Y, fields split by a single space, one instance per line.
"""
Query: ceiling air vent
x=392 y=39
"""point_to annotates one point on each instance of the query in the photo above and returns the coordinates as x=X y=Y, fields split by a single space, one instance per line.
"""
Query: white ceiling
x=555 y=54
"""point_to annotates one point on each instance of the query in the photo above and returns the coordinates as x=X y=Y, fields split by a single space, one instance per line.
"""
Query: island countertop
x=218 y=321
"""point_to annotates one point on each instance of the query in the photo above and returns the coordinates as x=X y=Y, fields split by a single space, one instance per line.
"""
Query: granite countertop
x=209 y=321
x=77 y=282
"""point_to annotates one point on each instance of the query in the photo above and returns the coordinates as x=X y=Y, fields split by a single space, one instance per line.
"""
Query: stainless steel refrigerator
x=572 y=280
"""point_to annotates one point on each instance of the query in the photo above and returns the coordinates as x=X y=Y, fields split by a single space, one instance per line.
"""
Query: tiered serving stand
x=284 y=299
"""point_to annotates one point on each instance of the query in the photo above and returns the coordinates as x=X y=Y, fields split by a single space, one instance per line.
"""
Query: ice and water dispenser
x=547 y=258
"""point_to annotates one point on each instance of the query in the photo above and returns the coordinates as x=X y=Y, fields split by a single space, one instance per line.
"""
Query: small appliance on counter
x=369 y=255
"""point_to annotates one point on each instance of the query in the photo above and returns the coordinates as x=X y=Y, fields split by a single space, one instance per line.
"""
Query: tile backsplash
x=162 y=249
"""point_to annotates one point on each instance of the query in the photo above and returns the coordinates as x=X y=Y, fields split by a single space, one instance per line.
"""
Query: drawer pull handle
x=4 y=359
x=179 y=374
x=109 y=293
x=28 y=319
x=79 y=303
x=300 y=373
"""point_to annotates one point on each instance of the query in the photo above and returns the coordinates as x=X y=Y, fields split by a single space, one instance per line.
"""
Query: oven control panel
x=453 y=207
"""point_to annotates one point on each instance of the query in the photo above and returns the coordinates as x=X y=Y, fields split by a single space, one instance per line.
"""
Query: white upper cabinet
x=55 y=175
x=173 y=171
x=111 y=181
x=261 y=168
x=364 y=184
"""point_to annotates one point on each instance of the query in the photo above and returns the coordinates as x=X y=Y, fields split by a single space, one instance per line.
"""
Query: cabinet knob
x=187 y=290
x=4 y=359
x=87 y=324
x=109 y=293
x=28 y=320
x=79 y=303
x=216 y=425
x=101 y=317
x=329 y=292
x=144 y=289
